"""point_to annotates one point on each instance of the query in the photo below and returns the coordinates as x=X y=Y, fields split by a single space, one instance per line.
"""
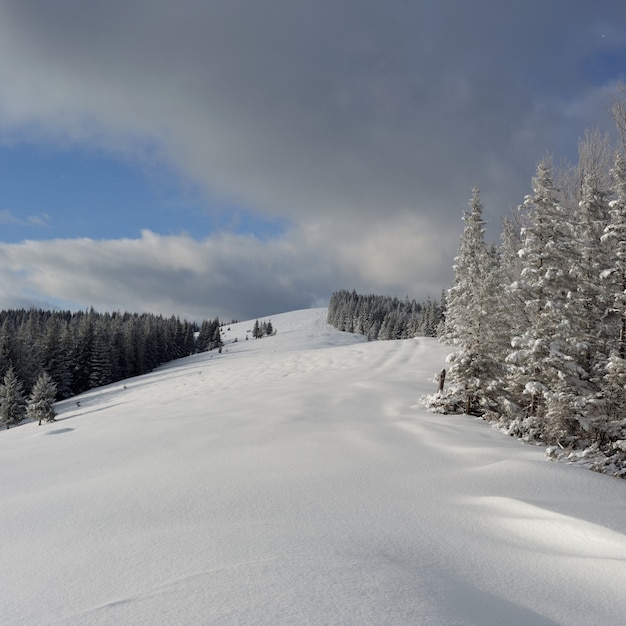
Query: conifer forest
x=384 y=317
x=538 y=322
x=54 y=355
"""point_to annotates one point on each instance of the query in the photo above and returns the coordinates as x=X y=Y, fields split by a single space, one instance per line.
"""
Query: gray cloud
x=362 y=121
x=227 y=275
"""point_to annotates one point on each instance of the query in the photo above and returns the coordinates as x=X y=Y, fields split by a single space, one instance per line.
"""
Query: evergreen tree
x=7 y=336
x=12 y=404
x=614 y=276
x=429 y=319
x=188 y=344
x=591 y=299
x=41 y=399
x=512 y=298
x=590 y=328
x=56 y=354
x=101 y=360
x=469 y=325
x=614 y=394
x=216 y=340
x=545 y=378
x=82 y=350
x=29 y=354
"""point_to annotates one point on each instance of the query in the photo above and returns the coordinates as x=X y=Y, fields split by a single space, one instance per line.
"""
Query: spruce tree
x=590 y=328
x=475 y=371
x=614 y=276
x=592 y=254
x=545 y=379
x=56 y=353
x=12 y=404
x=41 y=400
x=101 y=360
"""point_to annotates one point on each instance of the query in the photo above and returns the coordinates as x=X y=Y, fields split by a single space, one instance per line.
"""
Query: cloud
x=227 y=275
x=7 y=217
x=365 y=118
x=294 y=108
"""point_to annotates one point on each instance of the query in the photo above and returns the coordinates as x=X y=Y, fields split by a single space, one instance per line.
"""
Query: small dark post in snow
x=442 y=379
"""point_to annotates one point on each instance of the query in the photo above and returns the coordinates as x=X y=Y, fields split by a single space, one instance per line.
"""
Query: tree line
x=87 y=349
x=539 y=321
x=384 y=317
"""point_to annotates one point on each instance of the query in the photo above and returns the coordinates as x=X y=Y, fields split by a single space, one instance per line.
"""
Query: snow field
x=296 y=479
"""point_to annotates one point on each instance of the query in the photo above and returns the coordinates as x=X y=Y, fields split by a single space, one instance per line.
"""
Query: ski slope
x=297 y=479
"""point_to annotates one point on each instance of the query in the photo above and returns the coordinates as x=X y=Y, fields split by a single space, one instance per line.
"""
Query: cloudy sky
x=241 y=158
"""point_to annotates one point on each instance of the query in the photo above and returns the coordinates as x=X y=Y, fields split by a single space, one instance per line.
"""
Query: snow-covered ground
x=296 y=480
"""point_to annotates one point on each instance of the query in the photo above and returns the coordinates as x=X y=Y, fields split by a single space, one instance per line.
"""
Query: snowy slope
x=297 y=480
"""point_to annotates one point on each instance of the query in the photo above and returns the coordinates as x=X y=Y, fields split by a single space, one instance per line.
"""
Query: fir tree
x=545 y=379
x=469 y=323
x=614 y=275
x=12 y=404
x=591 y=298
x=101 y=360
x=41 y=399
x=56 y=352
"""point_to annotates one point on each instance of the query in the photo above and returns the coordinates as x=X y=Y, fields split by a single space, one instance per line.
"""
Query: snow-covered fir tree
x=614 y=273
x=12 y=403
x=40 y=402
x=510 y=272
x=471 y=307
x=614 y=276
x=589 y=302
x=545 y=380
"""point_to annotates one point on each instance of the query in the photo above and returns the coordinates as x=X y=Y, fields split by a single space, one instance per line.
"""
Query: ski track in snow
x=297 y=479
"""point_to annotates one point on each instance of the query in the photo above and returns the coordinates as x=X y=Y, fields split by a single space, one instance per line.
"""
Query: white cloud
x=7 y=217
x=232 y=276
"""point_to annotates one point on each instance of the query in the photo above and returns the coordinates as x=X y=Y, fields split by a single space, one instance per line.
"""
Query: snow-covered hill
x=296 y=479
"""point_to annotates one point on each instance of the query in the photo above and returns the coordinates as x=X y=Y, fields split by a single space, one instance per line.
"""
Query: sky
x=241 y=158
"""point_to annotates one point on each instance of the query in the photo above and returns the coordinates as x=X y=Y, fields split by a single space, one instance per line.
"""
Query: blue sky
x=49 y=192
x=242 y=158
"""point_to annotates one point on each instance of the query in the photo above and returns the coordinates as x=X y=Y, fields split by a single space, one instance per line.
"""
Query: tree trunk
x=442 y=380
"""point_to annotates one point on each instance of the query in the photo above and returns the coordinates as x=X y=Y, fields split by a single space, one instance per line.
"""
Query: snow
x=296 y=479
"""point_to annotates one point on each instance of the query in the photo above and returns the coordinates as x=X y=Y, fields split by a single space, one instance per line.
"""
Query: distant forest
x=384 y=317
x=83 y=350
